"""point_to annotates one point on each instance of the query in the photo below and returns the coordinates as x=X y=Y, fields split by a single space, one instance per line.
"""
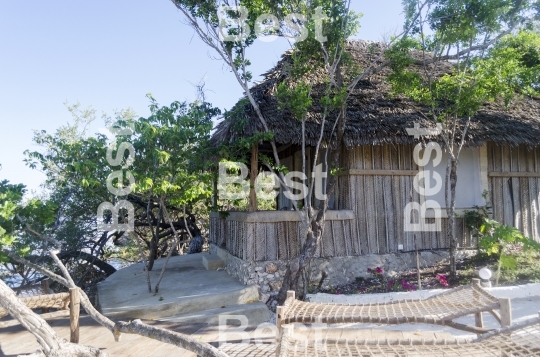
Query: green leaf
x=508 y=261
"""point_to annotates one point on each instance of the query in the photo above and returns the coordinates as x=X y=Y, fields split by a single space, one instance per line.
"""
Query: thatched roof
x=375 y=116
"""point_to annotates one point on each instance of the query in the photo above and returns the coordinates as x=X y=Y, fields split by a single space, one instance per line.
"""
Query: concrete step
x=186 y=287
x=194 y=303
x=255 y=313
x=212 y=262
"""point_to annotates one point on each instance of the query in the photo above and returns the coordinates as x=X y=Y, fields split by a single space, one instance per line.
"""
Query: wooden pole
x=478 y=318
x=45 y=290
x=418 y=276
x=279 y=312
x=215 y=193
x=74 y=310
x=252 y=176
x=506 y=312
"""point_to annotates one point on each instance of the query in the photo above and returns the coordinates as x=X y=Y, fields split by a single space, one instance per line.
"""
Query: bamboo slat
x=271 y=241
x=508 y=211
x=513 y=174
x=387 y=172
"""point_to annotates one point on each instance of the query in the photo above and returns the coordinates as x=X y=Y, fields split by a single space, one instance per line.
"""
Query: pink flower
x=442 y=279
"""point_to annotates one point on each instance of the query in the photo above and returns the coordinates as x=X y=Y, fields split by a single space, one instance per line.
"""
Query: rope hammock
x=48 y=301
x=440 y=309
x=522 y=339
x=248 y=349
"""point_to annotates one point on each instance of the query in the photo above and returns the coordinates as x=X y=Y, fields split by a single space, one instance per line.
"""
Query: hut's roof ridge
x=375 y=116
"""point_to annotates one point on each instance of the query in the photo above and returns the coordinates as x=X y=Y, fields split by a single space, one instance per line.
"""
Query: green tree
x=459 y=56
x=172 y=170
x=172 y=185
x=13 y=237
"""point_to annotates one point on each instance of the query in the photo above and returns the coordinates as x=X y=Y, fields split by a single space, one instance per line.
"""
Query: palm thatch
x=375 y=116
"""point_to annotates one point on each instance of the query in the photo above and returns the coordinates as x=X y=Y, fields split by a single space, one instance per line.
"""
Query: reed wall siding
x=268 y=241
x=514 y=185
x=377 y=185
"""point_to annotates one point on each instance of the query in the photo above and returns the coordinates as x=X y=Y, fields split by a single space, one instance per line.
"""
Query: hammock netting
x=438 y=309
x=518 y=340
x=48 y=301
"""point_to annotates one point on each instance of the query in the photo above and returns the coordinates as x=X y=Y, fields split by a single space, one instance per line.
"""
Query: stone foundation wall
x=339 y=270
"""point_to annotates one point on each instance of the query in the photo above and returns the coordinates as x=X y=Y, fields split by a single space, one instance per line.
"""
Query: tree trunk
x=451 y=221
x=152 y=253
x=196 y=244
x=296 y=266
x=51 y=344
x=252 y=177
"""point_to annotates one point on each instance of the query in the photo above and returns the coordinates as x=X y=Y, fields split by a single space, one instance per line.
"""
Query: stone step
x=255 y=313
x=212 y=262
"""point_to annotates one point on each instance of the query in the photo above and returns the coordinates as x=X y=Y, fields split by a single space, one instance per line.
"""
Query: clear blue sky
x=108 y=54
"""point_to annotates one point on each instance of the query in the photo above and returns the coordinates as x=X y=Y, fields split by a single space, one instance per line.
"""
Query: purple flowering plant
x=390 y=284
x=442 y=279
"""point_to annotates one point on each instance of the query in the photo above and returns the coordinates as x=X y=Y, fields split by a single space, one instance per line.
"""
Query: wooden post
x=215 y=193
x=45 y=290
x=252 y=176
x=478 y=318
x=74 y=310
x=506 y=312
x=418 y=276
x=279 y=311
x=291 y=294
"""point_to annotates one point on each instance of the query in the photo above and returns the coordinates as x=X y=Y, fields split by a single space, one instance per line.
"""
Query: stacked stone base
x=338 y=270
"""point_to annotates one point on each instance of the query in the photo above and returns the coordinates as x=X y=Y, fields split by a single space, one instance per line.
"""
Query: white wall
x=469 y=186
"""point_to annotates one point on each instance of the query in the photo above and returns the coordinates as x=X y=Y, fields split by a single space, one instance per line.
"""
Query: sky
x=108 y=54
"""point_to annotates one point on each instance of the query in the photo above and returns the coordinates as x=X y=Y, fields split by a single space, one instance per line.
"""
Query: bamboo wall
x=377 y=187
x=263 y=241
x=514 y=185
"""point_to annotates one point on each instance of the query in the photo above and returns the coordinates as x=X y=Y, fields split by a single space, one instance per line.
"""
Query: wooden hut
x=502 y=157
